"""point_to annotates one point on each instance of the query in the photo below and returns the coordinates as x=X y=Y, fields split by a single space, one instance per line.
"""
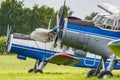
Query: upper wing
x=115 y=47
x=109 y=8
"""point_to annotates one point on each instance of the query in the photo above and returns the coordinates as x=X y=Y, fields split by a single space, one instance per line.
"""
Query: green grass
x=14 y=69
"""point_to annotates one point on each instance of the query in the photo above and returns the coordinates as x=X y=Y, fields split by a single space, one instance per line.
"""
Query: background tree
x=25 y=20
x=9 y=14
x=91 y=16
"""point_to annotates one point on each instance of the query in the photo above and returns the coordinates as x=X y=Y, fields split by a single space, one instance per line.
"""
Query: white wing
x=109 y=8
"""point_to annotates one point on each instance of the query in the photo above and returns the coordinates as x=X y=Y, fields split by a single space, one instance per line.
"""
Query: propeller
x=59 y=25
x=49 y=24
x=7 y=41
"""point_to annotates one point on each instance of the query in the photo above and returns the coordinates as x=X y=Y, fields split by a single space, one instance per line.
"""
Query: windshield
x=97 y=19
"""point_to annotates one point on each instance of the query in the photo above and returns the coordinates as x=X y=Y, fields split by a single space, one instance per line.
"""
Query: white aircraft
x=86 y=36
x=94 y=37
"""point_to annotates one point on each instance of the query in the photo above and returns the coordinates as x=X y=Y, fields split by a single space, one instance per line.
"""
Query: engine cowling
x=74 y=38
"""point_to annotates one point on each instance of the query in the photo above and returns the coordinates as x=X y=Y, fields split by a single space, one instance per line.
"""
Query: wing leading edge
x=109 y=8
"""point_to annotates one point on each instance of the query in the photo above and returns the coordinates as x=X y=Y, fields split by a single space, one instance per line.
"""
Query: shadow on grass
x=55 y=73
x=117 y=76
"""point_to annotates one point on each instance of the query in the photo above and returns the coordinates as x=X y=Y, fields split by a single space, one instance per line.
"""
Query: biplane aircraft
x=81 y=35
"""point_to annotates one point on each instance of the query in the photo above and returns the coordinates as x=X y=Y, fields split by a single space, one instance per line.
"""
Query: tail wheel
x=91 y=73
x=104 y=74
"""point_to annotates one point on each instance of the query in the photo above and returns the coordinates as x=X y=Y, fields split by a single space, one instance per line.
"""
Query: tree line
x=25 y=20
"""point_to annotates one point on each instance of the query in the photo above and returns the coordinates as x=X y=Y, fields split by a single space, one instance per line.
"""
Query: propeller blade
x=59 y=24
x=49 y=24
x=8 y=29
x=56 y=39
x=7 y=39
x=58 y=20
x=62 y=15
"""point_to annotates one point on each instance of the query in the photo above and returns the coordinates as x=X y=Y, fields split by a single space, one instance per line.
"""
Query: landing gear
x=30 y=70
x=37 y=64
x=91 y=73
x=107 y=72
x=38 y=71
x=95 y=72
x=104 y=74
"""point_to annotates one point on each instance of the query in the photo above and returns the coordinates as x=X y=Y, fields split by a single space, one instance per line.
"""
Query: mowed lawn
x=12 y=68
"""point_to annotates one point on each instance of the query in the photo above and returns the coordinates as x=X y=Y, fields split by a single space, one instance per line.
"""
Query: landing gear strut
x=36 y=68
x=104 y=74
x=105 y=71
x=95 y=72
x=91 y=73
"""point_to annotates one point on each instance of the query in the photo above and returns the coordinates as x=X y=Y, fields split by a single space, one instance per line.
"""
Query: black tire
x=30 y=70
x=38 y=71
x=104 y=74
x=91 y=73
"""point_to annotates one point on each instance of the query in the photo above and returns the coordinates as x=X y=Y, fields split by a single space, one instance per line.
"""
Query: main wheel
x=38 y=71
x=30 y=70
x=104 y=74
x=91 y=73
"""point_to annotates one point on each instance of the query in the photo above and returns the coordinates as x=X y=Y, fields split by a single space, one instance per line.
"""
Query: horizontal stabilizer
x=115 y=47
x=21 y=36
x=109 y=8
x=63 y=59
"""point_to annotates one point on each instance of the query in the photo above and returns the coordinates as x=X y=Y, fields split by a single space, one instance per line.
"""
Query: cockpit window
x=97 y=19
x=103 y=20
x=119 y=23
x=110 y=22
x=107 y=22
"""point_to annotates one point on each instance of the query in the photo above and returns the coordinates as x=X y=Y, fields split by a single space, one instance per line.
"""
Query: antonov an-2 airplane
x=84 y=36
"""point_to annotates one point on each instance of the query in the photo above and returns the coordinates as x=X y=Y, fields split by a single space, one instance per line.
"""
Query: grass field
x=14 y=69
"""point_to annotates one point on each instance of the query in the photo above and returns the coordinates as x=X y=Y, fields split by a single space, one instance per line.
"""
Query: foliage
x=91 y=16
x=2 y=39
x=25 y=20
